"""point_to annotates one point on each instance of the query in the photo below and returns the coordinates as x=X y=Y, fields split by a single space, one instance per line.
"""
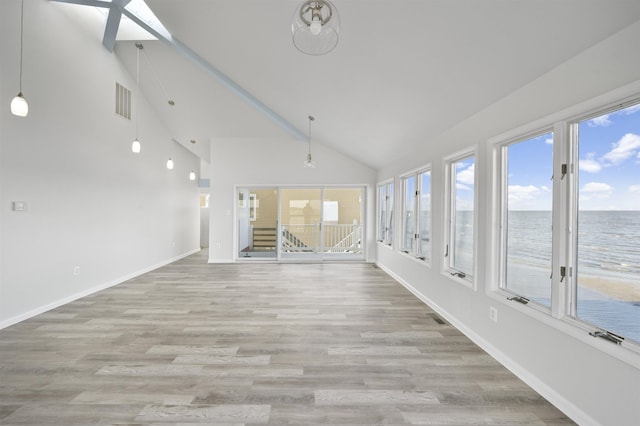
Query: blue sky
x=609 y=165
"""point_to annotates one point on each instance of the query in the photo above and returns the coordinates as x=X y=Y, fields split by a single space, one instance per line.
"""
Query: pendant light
x=309 y=163
x=315 y=27
x=19 y=105
x=135 y=145
x=170 y=164
x=192 y=175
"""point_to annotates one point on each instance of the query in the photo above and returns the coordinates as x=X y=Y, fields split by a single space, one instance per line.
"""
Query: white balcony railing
x=308 y=238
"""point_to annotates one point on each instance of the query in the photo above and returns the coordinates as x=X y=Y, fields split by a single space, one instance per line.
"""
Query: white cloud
x=519 y=192
x=625 y=148
x=466 y=176
x=545 y=188
x=549 y=141
x=634 y=189
x=589 y=165
x=598 y=190
x=631 y=109
x=462 y=187
x=602 y=121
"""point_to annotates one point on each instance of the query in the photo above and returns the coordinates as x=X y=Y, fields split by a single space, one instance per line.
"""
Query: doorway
x=304 y=224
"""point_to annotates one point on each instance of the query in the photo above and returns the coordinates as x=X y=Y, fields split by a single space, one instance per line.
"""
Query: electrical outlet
x=493 y=314
x=76 y=271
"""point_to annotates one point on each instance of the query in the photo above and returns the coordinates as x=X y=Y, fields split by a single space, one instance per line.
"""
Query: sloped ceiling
x=403 y=71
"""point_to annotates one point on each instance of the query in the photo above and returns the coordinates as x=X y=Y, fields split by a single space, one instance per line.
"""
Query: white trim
x=447 y=162
x=219 y=260
x=45 y=308
x=564 y=405
x=589 y=107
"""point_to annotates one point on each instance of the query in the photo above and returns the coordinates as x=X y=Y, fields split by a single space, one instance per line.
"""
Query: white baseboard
x=570 y=409
x=221 y=260
x=42 y=309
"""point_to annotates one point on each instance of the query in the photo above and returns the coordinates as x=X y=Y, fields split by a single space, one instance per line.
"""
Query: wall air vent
x=123 y=101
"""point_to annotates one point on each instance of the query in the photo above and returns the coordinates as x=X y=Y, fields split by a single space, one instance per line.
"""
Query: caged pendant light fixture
x=135 y=145
x=315 y=27
x=19 y=105
x=309 y=163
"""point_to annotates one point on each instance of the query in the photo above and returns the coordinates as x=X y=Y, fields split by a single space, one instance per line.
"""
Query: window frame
x=564 y=217
x=449 y=200
x=417 y=222
x=500 y=205
x=572 y=212
x=387 y=238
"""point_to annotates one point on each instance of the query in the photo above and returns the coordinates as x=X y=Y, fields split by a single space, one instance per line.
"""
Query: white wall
x=91 y=203
x=594 y=382
x=251 y=162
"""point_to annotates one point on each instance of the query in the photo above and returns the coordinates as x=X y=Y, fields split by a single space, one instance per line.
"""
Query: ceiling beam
x=117 y=9
x=94 y=3
x=111 y=29
x=222 y=78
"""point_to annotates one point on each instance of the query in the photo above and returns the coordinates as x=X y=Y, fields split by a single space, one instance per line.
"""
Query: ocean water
x=608 y=267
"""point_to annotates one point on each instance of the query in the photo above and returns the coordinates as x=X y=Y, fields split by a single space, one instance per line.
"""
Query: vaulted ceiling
x=403 y=70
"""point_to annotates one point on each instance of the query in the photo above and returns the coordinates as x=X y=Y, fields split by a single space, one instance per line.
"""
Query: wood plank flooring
x=249 y=344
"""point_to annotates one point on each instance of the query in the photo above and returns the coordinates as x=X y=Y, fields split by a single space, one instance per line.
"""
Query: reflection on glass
x=425 y=215
x=528 y=251
x=409 y=213
x=608 y=269
x=461 y=256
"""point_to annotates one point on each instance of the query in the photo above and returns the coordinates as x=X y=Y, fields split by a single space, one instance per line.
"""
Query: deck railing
x=307 y=238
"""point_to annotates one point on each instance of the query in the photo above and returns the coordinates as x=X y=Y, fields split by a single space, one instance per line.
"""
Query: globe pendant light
x=19 y=105
x=309 y=163
x=315 y=27
x=170 y=164
x=135 y=145
x=192 y=175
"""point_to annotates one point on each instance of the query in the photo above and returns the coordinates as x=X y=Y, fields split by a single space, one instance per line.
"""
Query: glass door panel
x=257 y=214
x=342 y=222
x=300 y=223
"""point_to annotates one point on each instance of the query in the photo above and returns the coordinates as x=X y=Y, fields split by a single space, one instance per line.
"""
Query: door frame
x=319 y=257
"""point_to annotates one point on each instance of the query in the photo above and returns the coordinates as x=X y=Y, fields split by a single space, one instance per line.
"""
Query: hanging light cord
x=155 y=76
x=21 y=39
x=310 y=120
x=137 y=89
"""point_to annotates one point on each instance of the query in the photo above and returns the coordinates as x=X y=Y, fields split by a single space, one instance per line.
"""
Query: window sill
x=385 y=245
x=467 y=281
x=422 y=262
x=628 y=352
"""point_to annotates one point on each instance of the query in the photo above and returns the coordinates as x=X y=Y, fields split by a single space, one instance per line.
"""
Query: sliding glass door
x=342 y=223
x=300 y=223
x=257 y=215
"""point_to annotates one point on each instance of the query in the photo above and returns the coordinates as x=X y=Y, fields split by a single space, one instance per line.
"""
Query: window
x=568 y=244
x=460 y=207
x=385 y=213
x=606 y=289
x=416 y=214
x=526 y=213
x=408 y=213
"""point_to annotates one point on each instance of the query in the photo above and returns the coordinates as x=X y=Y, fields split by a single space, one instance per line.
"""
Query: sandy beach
x=615 y=288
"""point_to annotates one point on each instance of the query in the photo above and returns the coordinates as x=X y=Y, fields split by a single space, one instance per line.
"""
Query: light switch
x=19 y=206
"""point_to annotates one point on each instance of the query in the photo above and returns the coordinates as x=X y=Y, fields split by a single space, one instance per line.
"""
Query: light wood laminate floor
x=255 y=344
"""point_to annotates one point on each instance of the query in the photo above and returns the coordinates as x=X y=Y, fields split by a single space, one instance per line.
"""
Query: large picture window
x=385 y=213
x=460 y=213
x=569 y=226
x=416 y=214
x=606 y=288
x=526 y=267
